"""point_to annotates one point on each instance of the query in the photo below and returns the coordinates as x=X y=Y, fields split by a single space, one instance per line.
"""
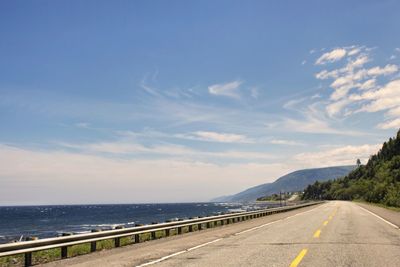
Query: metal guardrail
x=64 y=242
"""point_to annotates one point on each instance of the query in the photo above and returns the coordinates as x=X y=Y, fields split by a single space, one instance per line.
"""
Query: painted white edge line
x=301 y=213
x=379 y=217
x=178 y=253
x=216 y=240
x=257 y=227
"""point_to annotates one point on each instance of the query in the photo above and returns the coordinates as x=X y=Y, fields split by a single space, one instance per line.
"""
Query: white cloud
x=324 y=74
x=225 y=89
x=358 y=62
x=130 y=149
x=221 y=137
x=388 y=69
x=387 y=97
x=355 y=85
x=394 y=112
x=392 y=124
x=369 y=84
x=285 y=142
x=336 y=107
x=354 y=51
x=344 y=155
x=313 y=119
x=332 y=56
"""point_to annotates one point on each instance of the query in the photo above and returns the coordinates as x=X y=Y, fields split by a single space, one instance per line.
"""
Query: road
x=332 y=234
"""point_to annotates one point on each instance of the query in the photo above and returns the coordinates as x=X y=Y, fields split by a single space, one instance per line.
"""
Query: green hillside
x=378 y=181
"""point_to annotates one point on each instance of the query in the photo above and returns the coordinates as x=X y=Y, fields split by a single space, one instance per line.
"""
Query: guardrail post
x=190 y=228
x=28 y=259
x=153 y=235
x=93 y=246
x=180 y=230
x=199 y=227
x=117 y=242
x=137 y=238
x=209 y=225
x=167 y=232
x=64 y=252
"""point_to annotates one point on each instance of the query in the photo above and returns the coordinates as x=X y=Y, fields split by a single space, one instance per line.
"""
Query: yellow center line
x=317 y=233
x=325 y=223
x=298 y=259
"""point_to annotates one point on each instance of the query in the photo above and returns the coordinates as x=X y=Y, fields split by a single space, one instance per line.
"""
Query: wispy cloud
x=222 y=137
x=229 y=89
x=133 y=149
x=391 y=124
x=311 y=120
x=148 y=88
x=332 y=56
x=285 y=142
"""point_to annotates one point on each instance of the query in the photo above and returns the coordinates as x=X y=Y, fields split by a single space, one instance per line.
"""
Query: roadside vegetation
x=378 y=181
x=276 y=197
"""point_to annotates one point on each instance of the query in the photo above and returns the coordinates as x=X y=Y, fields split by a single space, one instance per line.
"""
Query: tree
x=358 y=162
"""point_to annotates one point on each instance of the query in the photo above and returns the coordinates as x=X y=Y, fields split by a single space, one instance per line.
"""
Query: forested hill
x=295 y=181
x=378 y=181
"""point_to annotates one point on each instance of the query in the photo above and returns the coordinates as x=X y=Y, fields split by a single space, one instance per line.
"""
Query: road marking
x=177 y=253
x=216 y=240
x=205 y=244
x=303 y=212
x=298 y=259
x=379 y=217
x=257 y=227
x=326 y=223
x=317 y=233
x=260 y=226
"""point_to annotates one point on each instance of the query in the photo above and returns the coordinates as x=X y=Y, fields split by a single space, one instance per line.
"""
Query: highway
x=332 y=234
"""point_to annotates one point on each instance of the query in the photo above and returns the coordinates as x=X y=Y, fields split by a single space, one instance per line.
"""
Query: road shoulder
x=387 y=214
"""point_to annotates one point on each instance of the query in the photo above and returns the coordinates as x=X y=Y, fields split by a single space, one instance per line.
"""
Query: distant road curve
x=332 y=234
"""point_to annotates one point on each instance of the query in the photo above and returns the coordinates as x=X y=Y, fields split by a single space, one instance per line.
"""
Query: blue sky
x=168 y=101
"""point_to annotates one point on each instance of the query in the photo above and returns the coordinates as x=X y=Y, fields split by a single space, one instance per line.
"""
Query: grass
x=15 y=260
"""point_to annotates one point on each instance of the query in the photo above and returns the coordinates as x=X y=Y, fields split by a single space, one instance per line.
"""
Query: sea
x=20 y=222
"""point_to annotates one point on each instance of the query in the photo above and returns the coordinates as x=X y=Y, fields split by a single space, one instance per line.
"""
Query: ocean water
x=19 y=222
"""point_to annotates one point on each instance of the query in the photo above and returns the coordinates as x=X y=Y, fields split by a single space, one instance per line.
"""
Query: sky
x=182 y=101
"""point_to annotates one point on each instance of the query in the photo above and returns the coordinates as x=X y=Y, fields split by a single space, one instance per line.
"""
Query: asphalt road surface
x=332 y=234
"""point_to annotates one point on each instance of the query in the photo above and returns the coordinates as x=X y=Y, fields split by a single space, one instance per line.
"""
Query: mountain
x=378 y=181
x=295 y=181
